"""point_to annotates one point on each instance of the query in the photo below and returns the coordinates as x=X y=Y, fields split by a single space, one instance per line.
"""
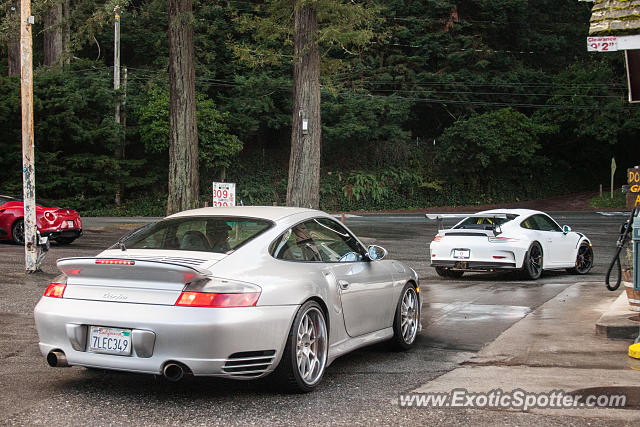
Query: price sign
x=602 y=44
x=633 y=178
x=224 y=194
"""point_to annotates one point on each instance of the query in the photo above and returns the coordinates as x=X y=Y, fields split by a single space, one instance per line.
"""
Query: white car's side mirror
x=566 y=229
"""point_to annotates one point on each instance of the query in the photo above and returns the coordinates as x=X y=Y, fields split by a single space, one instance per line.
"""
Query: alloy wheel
x=584 y=261
x=409 y=315
x=311 y=346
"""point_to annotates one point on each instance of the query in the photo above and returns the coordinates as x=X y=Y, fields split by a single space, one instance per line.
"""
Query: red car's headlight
x=50 y=216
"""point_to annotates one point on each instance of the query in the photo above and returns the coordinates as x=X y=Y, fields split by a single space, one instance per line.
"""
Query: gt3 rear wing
x=441 y=217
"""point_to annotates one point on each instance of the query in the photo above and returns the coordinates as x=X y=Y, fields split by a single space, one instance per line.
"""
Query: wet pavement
x=460 y=317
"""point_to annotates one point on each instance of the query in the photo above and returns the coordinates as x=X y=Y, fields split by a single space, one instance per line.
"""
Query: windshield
x=484 y=223
x=199 y=233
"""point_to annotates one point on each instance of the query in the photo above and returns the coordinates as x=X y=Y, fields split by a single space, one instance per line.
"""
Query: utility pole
x=116 y=60
x=116 y=81
x=28 y=169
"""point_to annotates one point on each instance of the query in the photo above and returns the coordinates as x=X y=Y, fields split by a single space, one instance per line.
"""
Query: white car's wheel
x=532 y=266
x=584 y=259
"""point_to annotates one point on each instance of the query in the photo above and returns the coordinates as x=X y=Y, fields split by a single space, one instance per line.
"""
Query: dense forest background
x=449 y=103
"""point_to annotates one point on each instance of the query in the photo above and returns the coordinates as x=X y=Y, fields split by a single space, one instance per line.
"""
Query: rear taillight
x=218 y=292
x=438 y=238
x=115 y=262
x=55 y=290
x=50 y=216
x=212 y=299
x=498 y=239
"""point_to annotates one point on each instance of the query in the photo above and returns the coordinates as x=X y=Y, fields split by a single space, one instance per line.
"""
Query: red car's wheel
x=17 y=232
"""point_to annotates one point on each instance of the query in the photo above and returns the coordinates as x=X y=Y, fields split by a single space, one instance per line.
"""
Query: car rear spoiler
x=441 y=217
x=129 y=271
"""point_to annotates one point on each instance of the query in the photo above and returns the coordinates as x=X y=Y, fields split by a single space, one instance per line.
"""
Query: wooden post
x=28 y=169
x=601 y=191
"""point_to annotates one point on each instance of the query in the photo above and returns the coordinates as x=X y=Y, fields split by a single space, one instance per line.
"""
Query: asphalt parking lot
x=459 y=317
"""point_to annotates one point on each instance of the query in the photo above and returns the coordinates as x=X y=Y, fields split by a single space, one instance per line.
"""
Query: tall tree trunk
x=13 y=47
x=66 y=32
x=183 y=134
x=53 y=29
x=303 y=188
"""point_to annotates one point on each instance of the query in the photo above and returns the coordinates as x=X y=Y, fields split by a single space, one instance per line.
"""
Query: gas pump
x=624 y=236
x=636 y=253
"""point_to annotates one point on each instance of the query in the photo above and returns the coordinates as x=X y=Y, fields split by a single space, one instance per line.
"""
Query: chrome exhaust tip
x=173 y=372
x=57 y=359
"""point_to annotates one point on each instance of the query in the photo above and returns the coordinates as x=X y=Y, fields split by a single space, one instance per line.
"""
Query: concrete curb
x=616 y=323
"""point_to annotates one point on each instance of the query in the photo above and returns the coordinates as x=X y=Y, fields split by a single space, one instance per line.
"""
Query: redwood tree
x=183 y=135
x=303 y=188
x=13 y=45
x=53 y=35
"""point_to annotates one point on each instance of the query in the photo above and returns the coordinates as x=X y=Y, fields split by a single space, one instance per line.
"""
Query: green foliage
x=487 y=149
x=217 y=147
x=619 y=200
x=516 y=106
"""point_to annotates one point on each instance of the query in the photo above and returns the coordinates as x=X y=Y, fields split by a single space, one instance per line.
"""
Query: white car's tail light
x=498 y=239
x=212 y=299
x=217 y=292
x=55 y=290
x=438 y=238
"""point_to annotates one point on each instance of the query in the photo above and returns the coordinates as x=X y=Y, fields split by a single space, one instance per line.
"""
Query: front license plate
x=461 y=253
x=70 y=224
x=110 y=340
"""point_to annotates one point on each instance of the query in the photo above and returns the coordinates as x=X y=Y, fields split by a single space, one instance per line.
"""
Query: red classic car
x=61 y=225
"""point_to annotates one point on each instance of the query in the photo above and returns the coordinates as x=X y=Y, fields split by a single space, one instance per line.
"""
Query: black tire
x=584 y=260
x=407 y=314
x=447 y=272
x=64 y=240
x=287 y=374
x=442 y=271
x=17 y=231
x=455 y=274
x=533 y=262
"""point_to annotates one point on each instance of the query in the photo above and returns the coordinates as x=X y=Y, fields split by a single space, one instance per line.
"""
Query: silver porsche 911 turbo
x=231 y=292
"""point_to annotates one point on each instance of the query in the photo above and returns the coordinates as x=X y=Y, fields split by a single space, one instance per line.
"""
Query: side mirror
x=566 y=229
x=376 y=252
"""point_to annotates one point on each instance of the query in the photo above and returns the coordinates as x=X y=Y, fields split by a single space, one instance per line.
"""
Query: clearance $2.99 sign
x=224 y=194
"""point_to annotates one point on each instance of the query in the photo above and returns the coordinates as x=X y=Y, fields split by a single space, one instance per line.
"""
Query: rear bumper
x=66 y=233
x=474 y=265
x=207 y=340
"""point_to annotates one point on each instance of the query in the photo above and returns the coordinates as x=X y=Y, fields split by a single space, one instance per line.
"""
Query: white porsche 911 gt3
x=517 y=239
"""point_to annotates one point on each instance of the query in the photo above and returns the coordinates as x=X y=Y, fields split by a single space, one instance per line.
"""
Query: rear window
x=483 y=223
x=205 y=234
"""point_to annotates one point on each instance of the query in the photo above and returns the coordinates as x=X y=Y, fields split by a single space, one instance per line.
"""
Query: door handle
x=343 y=284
